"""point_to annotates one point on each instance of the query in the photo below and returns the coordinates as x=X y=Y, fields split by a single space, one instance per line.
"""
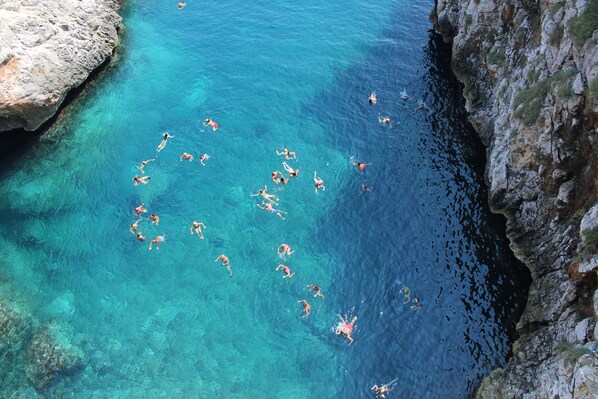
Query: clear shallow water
x=171 y=323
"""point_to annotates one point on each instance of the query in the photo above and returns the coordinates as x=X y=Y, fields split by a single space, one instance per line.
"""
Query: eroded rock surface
x=51 y=356
x=47 y=48
x=530 y=71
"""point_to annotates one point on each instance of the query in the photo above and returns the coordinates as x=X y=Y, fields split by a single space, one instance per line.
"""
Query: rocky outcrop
x=51 y=356
x=530 y=75
x=47 y=48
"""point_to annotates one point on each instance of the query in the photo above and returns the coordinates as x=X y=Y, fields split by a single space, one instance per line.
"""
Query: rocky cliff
x=530 y=75
x=47 y=48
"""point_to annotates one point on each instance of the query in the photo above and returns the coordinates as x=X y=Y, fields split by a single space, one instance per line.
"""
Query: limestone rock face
x=47 y=48
x=531 y=88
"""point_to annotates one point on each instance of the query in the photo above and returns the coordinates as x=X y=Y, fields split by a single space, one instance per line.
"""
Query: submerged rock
x=530 y=75
x=48 y=48
x=15 y=329
x=51 y=356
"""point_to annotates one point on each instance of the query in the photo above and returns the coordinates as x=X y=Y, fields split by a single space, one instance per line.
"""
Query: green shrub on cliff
x=591 y=241
x=557 y=35
x=594 y=90
x=528 y=102
x=496 y=56
x=572 y=352
x=583 y=26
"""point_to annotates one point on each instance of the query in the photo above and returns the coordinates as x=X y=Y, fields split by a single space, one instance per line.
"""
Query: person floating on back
x=313 y=287
x=286 y=270
x=319 y=183
x=404 y=95
x=269 y=197
x=155 y=219
x=382 y=390
x=373 y=98
x=204 y=157
x=284 y=249
x=278 y=178
x=306 y=308
x=143 y=163
x=135 y=226
x=292 y=172
x=165 y=137
x=268 y=207
x=140 y=179
x=288 y=154
x=225 y=263
x=197 y=227
x=158 y=240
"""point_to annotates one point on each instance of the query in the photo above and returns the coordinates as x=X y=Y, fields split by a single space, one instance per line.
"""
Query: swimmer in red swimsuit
x=345 y=328
x=187 y=157
x=210 y=122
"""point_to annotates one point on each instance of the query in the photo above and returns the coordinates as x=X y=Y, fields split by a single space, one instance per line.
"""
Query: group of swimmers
x=139 y=211
x=268 y=201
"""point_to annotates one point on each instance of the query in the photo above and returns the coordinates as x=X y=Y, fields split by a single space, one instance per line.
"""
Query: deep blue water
x=171 y=323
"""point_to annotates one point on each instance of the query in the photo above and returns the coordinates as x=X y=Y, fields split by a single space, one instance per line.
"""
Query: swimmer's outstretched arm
x=260 y=206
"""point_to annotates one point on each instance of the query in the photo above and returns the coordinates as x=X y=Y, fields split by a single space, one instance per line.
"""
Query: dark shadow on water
x=426 y=224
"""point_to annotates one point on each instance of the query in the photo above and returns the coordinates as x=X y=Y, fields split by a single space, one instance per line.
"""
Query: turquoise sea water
x=171 y=323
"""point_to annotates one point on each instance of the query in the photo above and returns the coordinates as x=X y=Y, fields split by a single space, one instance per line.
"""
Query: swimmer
x=284 y=249
x=204 y=157
x=182 y=5
x=346 y=329
x=186 y=156
x=134 y=226
x=270 y=197
x=197 y=227
x=165 y=137
x=288 y=154
x=385 y=120
x=140 y=209
x=158 y=240
x=406 y=293
x=292 y=172
x=306 y=308
x=276 y=177
x=381 y=391
x=143 y=163
x=154 y=218
x=210 y=122
x=225 y=263
x=421 y=105
x=286 y=270
x=404 y=95
x=139 y=236
x=373 y=98
x=417 y=305
x=268 y=207
x=319 y=183
x=142 y=180
x=360 y=165
x=313 y=287
x=365 y=187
